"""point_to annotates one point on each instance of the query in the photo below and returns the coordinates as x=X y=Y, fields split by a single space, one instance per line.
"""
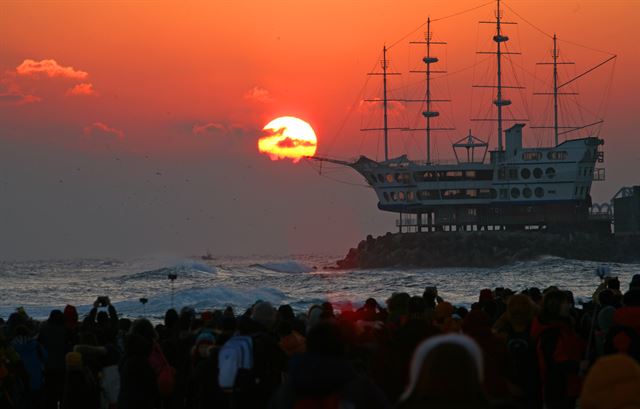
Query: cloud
x=83 y=89
x=102 y=129
x=259 y=94
x=17 y=98
x=209 y=128
x=394 y=108
x=294 y=143
x=49 y=67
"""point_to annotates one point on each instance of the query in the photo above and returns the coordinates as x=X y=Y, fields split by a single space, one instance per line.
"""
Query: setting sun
x=288 y=137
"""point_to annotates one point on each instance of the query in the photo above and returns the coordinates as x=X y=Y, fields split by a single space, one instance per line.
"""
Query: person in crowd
x=612 y=383
x=323 y=377
x=55 y=339
x=447 y=371
x=33 y=357
x=559 y=351
x=81 y=389
x=138 y=379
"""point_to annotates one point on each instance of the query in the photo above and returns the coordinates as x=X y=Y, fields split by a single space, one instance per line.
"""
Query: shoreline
x=485 y=249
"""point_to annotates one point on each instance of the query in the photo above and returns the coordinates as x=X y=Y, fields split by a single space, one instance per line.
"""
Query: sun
x=288 y=137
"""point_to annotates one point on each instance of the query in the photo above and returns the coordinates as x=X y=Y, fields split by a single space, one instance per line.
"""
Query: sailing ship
x=516 y=187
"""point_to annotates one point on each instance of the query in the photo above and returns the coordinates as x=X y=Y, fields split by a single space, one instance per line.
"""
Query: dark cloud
x=294 y=143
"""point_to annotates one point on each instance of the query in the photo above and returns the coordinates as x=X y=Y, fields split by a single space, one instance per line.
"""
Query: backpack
x=235 y=355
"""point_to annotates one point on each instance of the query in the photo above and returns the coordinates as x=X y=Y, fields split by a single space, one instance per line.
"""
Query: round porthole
x=525 y=173
x=526 y=192
x=515 y=193
x=386 y=196
x=537 y=173
x=539 y=192
x=550 y=172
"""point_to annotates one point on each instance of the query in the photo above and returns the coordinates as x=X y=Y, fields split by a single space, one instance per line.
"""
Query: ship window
x=389 y=177
x=493 y=193
x=504 y=194
x=537 y=173
x=539 y=192
x=411 y=196
x=551 y=191
x=398 y=177
x=400 y=195
x=386 y=196
x=532 y=155
x=428 y=194
x=380 y=178
x=551 y=173
x=472 y=193
x=526 y=192
x=471 y=174
x=451 y=193
x=525 y=173
x=515 y=193
x=472 y=212
x=502 y=173
x=513 y=173
x=557 y=155
x=394 y=196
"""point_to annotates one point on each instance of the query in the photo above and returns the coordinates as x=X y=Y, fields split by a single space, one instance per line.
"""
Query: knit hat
x=73 y=360
x=612 y=383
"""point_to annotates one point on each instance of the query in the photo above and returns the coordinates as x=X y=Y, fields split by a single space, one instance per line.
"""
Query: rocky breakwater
x=485 y=249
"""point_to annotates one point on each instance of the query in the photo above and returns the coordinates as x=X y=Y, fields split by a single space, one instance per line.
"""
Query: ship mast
x=384 y=87
x=385 y=65
x=429 y=112
x=556 y=127
x=555 y=89
x=499 y=102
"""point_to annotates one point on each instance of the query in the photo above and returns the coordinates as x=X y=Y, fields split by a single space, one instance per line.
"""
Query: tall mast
x=429 y=112
x=384 y=64
x=556 y=123
x=499 y=102
x=555 y=89
x=384 y=86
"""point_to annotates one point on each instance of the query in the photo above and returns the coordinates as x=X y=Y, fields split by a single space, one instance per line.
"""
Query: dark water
x=40 y=286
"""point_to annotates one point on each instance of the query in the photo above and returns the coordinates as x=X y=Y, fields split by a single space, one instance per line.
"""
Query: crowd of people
x=528 y=349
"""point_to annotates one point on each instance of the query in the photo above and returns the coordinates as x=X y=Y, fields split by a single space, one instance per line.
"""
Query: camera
x=144 y=301
x=103 y=301
x=172 y=276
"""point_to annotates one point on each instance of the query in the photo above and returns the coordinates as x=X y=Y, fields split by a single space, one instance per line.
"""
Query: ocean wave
x=286 y=267
x=186 y=269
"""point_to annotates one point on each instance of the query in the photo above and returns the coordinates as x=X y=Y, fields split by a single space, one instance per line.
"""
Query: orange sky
x=189 y=85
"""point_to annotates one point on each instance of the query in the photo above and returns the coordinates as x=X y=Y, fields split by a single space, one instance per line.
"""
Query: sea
x=301 y=281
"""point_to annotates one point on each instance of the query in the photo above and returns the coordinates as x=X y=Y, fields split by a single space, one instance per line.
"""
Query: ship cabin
x=517 y=188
